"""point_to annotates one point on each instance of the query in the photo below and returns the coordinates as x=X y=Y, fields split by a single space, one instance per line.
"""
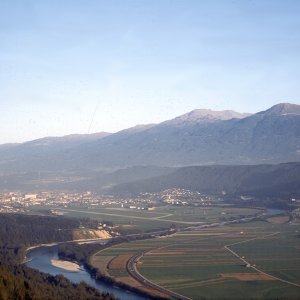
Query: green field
x=132 y=220
x=196 y=264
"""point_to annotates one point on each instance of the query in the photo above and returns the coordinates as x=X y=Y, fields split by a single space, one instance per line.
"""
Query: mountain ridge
x=270 y=136
x=196 y=115
x=207 y=115
x=283 y=109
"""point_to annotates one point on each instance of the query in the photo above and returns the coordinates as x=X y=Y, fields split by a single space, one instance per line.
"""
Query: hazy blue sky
x=94 y=65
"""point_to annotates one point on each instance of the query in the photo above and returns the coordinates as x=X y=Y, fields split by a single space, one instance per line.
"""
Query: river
x=40 y=259
x=271 y=212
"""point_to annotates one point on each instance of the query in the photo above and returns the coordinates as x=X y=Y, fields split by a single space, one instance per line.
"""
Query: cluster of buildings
x=183 y=197
x=17 y=202
x=20 y=202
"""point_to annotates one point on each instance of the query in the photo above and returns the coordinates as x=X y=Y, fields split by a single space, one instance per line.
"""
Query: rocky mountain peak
x=207 y=115
x=283 y=109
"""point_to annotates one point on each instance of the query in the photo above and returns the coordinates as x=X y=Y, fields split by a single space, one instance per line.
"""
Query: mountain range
x=200 y=137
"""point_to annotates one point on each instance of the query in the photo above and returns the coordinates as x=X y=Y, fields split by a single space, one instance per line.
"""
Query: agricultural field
x=259 y=260
x=133 y=220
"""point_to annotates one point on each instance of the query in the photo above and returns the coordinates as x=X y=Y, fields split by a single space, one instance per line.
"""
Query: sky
x=84 y=66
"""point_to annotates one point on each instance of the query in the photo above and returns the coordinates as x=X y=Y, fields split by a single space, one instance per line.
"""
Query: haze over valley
x=150 y=150
x=104 y=162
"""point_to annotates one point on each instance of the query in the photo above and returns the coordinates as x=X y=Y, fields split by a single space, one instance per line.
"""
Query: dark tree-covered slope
x=20 y=282
x=275 y=181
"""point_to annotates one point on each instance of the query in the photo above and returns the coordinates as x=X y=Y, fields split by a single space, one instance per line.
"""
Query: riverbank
x=84 y=254
x=49 y=258
x=42 y=258
x=80 y=242
x=66 y=265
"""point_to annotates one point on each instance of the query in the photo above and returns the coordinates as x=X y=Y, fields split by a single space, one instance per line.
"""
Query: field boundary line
x=202 y=283
x=131 y=267
x=132 y=270
x=253 y=267
x=255 y=238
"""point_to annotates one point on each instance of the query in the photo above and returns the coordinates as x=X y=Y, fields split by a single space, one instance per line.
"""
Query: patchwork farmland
x=255 y=260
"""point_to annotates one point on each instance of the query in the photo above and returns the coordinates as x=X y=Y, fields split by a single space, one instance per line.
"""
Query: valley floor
x=257 y=260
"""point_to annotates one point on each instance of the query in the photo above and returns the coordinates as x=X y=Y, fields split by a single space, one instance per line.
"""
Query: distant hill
x=45 y=154
x=201 y=137
x=261 y=181
x=97 y=181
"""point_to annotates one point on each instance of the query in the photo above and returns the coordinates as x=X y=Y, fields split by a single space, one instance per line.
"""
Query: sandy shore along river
x=67 y=265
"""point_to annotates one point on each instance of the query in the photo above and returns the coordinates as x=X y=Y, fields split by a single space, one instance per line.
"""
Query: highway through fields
x=235 y=221
x=132 y=270
x=254 y=267
x=131 y=266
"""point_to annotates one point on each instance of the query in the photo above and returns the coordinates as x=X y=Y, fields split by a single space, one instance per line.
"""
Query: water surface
x=40 y=259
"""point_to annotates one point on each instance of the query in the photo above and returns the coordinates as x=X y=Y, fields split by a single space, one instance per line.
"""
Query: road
x=253 y=267
x=236 y=221
x=132 y=270
x=132 y=262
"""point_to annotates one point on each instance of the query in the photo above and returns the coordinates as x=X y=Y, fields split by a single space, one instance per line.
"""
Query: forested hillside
x=20 y=282
x=266 y=184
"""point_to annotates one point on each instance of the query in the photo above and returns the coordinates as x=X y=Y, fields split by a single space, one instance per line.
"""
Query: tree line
x=17 y=281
